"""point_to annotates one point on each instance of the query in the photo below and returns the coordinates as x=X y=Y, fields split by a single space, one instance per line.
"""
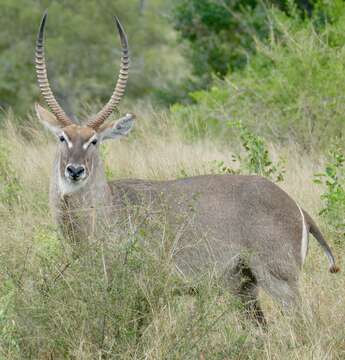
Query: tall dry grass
x=49 y=312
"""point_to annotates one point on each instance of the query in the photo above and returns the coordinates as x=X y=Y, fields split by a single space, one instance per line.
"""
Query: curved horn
x=42 y=78
x=120 y=87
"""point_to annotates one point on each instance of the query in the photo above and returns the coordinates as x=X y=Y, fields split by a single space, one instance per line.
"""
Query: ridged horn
x=42 y=78
x=120 y=87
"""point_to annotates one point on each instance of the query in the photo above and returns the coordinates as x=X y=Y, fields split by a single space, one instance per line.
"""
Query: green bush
x=221 y=34
x=257 y=159
x=333 y=178
x=290 y=91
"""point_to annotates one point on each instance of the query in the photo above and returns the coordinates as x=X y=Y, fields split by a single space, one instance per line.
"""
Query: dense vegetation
x=267 y=98
x=222 y=34
x=83 y=50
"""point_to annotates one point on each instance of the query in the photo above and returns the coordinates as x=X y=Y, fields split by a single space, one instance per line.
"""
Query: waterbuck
x=245 y=227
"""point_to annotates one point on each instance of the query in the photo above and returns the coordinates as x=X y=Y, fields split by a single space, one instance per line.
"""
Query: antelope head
x=78 y=149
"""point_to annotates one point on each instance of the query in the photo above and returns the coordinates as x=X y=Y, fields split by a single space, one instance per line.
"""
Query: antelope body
x=245 y=227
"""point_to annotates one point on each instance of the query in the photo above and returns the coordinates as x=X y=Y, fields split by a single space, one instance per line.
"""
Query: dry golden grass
x=38 y=325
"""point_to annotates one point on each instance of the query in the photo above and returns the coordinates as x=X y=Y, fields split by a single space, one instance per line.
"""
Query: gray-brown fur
x=251 y=226
x=244 y=228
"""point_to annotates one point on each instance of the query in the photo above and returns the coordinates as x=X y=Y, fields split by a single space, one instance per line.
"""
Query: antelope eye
x=94 y=142
x=61 y=138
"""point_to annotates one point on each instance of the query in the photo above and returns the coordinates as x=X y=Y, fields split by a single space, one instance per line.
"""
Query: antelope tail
x=315 y=231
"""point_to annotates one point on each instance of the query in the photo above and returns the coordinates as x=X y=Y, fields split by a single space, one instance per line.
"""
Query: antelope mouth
x=69 y=185
x=75 y=180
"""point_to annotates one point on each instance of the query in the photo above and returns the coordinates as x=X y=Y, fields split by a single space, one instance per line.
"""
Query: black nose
x=75 y=171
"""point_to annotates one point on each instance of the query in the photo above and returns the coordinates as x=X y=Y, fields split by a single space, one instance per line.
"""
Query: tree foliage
x=291 y=90
x=82 y=49
x=221 y=33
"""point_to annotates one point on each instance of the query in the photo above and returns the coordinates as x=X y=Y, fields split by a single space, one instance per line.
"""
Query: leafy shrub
x=333 y=198
x=291 y=90
x=221 y=34
x=209 y=116
x=256 y=159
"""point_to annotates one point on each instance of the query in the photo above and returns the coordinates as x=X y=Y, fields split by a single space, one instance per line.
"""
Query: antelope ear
x=48 y=119
x=118 y=129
